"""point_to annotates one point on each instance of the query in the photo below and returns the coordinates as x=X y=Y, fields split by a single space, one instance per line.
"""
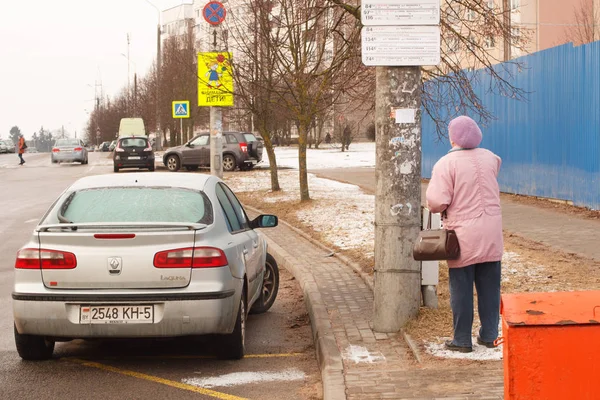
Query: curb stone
x=328 y=353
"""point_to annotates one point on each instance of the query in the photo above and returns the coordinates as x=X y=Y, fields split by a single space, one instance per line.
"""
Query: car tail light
x=244 y=147
x=45 y=259
x=77 y=149
x=55 y=150
x=119 y=148
x=198 y=257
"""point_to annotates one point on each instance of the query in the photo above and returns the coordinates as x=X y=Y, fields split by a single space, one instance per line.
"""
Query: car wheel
x=229 y=163
x=32 y=347
x=116 y=169
x=270 y=287
x=173 y=163
x=54 y=161
x=151 y=169
x=233 y=345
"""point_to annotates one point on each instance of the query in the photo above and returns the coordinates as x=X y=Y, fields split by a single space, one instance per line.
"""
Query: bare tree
x=586 y=26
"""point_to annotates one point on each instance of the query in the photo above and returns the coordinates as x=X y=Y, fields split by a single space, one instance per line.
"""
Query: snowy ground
x=327 y=156
x=344 y=214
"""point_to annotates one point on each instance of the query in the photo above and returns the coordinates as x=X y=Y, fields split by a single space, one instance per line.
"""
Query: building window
x=453 y=13
x=490 y=4
x=453 y=45
x=490 y=43
x=515 y=4
x=471 y=15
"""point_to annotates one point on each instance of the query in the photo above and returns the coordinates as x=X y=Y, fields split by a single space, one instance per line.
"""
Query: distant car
x=91 y=149
x=9 y=146
x=69 y=150
x=3 y=148
x=32 y=150
x=142 y=255
x=133 y=152
x=240 y=150
x=105 y=146
x=112 y=146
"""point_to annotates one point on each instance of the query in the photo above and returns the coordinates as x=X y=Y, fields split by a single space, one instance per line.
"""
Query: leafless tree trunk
x=586 y=24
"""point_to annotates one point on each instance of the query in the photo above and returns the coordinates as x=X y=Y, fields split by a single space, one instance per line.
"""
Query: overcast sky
x=51 y=50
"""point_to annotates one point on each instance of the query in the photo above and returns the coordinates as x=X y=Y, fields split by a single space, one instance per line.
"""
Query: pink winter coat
x=464 y=184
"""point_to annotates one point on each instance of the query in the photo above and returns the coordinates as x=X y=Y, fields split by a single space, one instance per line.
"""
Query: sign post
x=215 y=86
x=398 y=37
x=181 y=110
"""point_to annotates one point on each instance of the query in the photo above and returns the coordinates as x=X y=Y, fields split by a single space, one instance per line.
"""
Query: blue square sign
x=181 y=109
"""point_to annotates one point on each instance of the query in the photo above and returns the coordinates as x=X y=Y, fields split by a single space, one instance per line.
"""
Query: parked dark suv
x=133 y=152
x=240 y=150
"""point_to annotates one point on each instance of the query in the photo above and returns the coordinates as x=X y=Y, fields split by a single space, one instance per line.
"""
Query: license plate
x=140 y=314
x=134 y=157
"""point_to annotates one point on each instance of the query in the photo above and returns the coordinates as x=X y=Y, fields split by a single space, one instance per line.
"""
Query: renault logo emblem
x=114 y=265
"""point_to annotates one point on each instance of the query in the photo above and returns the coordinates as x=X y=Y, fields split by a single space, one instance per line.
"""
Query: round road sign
x=214 y=12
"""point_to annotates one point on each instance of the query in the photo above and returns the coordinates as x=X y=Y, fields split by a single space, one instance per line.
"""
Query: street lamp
x=158 y=68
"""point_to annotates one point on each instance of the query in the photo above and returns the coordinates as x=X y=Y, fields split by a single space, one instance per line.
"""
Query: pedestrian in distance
x=22 y=147
x=464 y=188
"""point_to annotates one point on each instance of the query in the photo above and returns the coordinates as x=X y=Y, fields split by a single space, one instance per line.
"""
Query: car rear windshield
x=66 y=142
x=134 y=142
x=250 y=137
x=134 y=204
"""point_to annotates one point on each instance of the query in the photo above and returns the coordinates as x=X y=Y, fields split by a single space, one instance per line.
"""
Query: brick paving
x=393 y=373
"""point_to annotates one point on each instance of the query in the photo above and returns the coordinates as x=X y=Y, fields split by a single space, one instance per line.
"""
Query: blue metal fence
x=549 y=144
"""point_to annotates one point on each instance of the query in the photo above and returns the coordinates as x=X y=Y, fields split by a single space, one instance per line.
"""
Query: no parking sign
x=214 y=13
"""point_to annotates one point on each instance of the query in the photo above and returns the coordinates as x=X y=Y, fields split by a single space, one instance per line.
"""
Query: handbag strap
x=429 y=221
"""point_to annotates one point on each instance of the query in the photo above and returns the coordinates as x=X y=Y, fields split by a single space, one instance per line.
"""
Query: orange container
x=551 y=345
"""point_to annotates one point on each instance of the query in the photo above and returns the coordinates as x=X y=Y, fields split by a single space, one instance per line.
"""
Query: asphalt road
x=279 y=343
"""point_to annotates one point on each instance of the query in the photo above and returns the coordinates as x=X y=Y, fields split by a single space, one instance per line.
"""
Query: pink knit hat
x=464 y=132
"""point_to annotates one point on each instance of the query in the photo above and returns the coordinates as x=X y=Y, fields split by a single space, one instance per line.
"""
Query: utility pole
x=158 y=68
x=398 y=44
x=398 y=198
x=506 y=6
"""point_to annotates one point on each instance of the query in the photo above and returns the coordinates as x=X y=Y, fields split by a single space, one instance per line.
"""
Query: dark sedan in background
x=133 y=152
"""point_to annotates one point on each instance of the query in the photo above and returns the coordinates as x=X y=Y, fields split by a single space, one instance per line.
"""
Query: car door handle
x=255 y=244
x=245 y=252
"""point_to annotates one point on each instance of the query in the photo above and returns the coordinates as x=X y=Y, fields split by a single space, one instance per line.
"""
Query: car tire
x=151 y=169
x=173 y=163
x=233 y=346
x=229 y=162
x=269 y=289
x=116 y=169
x=54 y=161
x=32 y=347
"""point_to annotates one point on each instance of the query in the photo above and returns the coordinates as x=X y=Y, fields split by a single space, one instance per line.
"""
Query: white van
x=132 y=127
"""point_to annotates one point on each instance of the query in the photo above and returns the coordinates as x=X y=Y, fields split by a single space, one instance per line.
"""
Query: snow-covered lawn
x=327 y=156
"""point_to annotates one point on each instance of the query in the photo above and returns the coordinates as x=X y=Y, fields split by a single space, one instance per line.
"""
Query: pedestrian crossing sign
x=181 y=109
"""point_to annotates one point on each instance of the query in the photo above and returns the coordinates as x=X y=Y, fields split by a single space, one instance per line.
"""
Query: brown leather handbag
x=436 y=244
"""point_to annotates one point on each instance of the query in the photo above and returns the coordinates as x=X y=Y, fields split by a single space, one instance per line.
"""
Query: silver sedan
x=69 y=150
x=142 y=255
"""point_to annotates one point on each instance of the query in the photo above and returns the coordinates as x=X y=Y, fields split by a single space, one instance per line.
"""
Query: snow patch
x=360 y=354
x=480 y=353
x=244 y=378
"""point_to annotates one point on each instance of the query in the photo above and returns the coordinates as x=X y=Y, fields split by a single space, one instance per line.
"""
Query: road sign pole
x=216 y=142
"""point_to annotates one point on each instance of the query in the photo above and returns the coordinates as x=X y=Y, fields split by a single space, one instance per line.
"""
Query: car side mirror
x=264 y=221
x=189 y=145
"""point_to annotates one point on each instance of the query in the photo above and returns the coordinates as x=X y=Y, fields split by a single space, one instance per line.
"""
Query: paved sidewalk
x=357 y=363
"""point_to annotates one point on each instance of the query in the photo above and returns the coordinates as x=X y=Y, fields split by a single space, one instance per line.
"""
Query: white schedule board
x=401 y=45
x=400 y=12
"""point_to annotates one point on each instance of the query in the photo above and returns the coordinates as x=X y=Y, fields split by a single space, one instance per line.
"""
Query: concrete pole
x=216 y=133
x=506 y=6
x=398 y=198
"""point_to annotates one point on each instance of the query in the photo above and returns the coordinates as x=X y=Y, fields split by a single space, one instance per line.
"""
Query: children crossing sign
x=181 y=109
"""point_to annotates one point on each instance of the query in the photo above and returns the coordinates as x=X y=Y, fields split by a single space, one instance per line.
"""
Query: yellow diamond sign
x=215 y=82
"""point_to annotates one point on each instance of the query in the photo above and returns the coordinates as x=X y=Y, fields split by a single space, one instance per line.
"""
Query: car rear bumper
x=148 y=162
x=181 y=313
x=74 y=156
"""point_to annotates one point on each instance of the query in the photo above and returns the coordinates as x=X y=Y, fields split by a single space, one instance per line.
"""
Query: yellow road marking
x=167 y=357
x=167 y=382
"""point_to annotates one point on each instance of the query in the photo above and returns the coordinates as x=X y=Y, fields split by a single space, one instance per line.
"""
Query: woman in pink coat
x=464 y=187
